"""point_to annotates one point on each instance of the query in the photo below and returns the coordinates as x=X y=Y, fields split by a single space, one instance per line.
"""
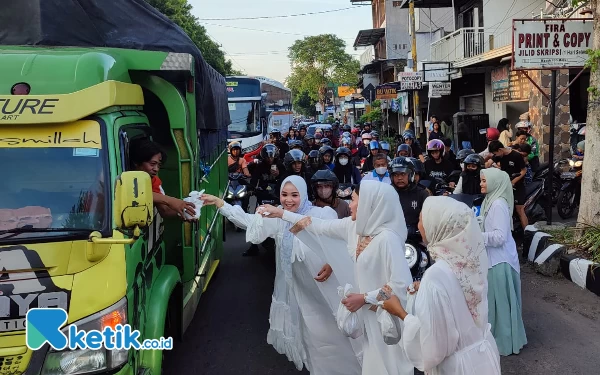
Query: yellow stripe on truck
x=78 y=134
x=52 y=109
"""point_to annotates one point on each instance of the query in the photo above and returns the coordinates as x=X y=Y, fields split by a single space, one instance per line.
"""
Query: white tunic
x=499 y=242
x=302 y=321
x=380 y=263
x=440 y=336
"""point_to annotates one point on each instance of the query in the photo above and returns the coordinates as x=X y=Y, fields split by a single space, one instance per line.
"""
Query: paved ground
x=228 y=334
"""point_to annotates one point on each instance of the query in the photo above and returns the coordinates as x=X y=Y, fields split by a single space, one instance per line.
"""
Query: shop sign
x=437 y=89
x=551 y=43
x=509 y=85
x=410 y=80
x=386 y=92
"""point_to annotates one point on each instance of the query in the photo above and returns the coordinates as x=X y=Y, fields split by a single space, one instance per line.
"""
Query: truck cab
x=78 y=226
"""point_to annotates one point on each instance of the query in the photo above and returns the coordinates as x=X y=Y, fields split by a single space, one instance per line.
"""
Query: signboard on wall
x=437 y=89
x=509 y=85
x=386 y=92
x=437 y=72
x=410 y=80
x=345 y=90
x=551 y=43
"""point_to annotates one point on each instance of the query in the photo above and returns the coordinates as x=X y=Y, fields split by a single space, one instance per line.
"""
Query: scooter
x=345 y=191
x=570 y=191
x=238 y=192
x=416 y=254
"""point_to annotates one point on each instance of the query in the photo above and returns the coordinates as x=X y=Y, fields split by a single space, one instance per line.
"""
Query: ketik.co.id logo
x=44 y=326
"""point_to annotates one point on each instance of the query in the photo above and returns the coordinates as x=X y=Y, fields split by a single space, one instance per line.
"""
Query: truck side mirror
x=133 y=207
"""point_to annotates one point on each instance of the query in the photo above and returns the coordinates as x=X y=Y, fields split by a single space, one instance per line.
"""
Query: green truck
x=79 y=229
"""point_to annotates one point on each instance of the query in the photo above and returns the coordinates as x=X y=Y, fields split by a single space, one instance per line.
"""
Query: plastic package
x=194 y=198
x=348 y=322
x=390 y=325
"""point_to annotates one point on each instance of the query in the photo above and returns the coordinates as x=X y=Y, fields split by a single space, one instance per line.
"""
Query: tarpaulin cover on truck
x=131 y=24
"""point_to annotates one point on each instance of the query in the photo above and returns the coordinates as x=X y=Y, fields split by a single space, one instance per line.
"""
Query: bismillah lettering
x=55 y=139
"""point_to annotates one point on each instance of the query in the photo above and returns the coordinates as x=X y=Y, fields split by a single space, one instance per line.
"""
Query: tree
x=180 y=12
x=589 y=208
x=304 y=104
x=317 y=61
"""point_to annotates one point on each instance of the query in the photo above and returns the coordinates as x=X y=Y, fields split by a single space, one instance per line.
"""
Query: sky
x=265 y=53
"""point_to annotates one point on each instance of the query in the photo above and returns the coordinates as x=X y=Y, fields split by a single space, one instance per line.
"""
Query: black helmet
x=475 y=159
x=462 y=154
x=408 y=135
x=313 y=154
x=325 y=149
x=418 y=164
x=314 y=159
x=293 y=156
x=405 y=147
x=343 y=151
x=347 y=128
x=275 y=132
x=324 y=176
x=296 y=145
x=326 y=141
x=269 y=151
x=308 y=137
x=403 y=165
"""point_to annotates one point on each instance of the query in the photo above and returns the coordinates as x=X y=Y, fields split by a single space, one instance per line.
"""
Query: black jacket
x=411 y=200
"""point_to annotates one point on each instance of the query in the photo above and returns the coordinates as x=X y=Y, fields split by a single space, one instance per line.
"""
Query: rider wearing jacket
x=411 y=194
x=345 y=171
x=295 y=164
x=469 y=182
x=324 y=185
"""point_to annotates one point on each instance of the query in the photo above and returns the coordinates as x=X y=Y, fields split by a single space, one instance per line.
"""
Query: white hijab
x=454 y=236
x=498 y=187
x=379 y=209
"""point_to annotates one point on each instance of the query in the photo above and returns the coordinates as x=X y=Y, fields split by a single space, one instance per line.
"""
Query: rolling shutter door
x=474 y=104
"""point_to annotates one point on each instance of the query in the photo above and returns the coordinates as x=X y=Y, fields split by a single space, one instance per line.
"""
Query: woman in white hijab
x=374 y=236
x=504 y=280
x=448 y=332
x=302 y=322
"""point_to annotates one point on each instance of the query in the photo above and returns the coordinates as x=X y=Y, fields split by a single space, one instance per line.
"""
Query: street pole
x=416 y=106
x=549 y=189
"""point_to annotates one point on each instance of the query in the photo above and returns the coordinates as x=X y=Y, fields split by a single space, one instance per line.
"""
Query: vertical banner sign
x=551 y=43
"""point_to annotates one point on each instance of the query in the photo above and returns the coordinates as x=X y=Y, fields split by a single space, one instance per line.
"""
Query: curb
x=550 y=258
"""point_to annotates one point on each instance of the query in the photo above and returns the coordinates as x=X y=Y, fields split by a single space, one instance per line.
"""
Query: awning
x=428 y=4
x=368 y=37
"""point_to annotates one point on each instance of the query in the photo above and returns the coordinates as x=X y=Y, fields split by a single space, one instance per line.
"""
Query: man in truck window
x=147 y=156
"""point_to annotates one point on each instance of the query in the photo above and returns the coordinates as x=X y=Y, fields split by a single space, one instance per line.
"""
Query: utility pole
x=416 y=106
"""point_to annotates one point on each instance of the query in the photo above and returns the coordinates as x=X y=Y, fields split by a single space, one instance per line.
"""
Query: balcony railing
x=469 y=42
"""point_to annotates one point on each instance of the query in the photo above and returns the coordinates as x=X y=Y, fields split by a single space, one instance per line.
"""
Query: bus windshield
x=244 y=117
x=53 y=189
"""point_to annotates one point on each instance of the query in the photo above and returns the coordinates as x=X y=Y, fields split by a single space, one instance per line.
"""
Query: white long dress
x=381 y=263
x=440 y=336
x=302 y=321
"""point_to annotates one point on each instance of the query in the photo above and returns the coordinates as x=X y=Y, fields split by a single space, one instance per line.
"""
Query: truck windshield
x=47 y=190
x=244 y=118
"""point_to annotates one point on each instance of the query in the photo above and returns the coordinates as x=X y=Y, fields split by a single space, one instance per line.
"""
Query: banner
x=345 y=91
x=386 y=92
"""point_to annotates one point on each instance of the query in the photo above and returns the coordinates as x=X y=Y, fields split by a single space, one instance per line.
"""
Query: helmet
x=405 y=147
x=346 y=142
x=462 y=154
x=373 y=145
x=346 y=135
x=308 y=137
x=269 y=151
x=275 y=132
x=302 y=127
x=346 y=128
x=492 y=134
x=475 y=159
x=326 y=141
x=324 y=176
x=419 y=167
x=235 y=144
x=293 y=156
x=403 y=165
x=318 y=136
x=435 y=145
x=325 y=149
x=355 y=131
x=408 y=135
x=343 y=151
x=523 y=124
x=314 y=159
x=384 y=146
x=374 y=134
x=366 y=136
x=294 y=145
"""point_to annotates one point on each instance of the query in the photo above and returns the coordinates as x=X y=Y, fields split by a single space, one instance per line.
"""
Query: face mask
x=343 y=161
x=325 y=192
x=381 y=170
x=366 y=143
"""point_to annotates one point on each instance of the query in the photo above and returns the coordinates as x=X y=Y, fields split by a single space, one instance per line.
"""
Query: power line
x=281 y=16
x=261 y=30
x=221 y=46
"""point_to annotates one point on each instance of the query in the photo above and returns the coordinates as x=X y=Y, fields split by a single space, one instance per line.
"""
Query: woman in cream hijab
x=448 y=331
x=374 y=236
x=504 y=291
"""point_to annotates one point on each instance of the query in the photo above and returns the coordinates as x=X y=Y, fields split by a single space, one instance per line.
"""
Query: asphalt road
x=228 y=333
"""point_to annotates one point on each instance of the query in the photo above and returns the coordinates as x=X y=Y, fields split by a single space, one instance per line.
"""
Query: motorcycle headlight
x=424 y=260
x=411 y=255
x=242 y=192
x=571 y=163
x=578 y=163
x=87 y=361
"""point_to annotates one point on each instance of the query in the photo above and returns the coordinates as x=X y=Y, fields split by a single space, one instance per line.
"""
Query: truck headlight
x=411 y=255
x=86 y=361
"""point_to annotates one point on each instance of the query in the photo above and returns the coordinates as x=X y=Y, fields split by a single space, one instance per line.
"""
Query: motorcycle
x=238 y=191
x=535 y=203
x=267 y=195
x=416 y=254
x=474 y=201
x=345 y=191
x=570 y=191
